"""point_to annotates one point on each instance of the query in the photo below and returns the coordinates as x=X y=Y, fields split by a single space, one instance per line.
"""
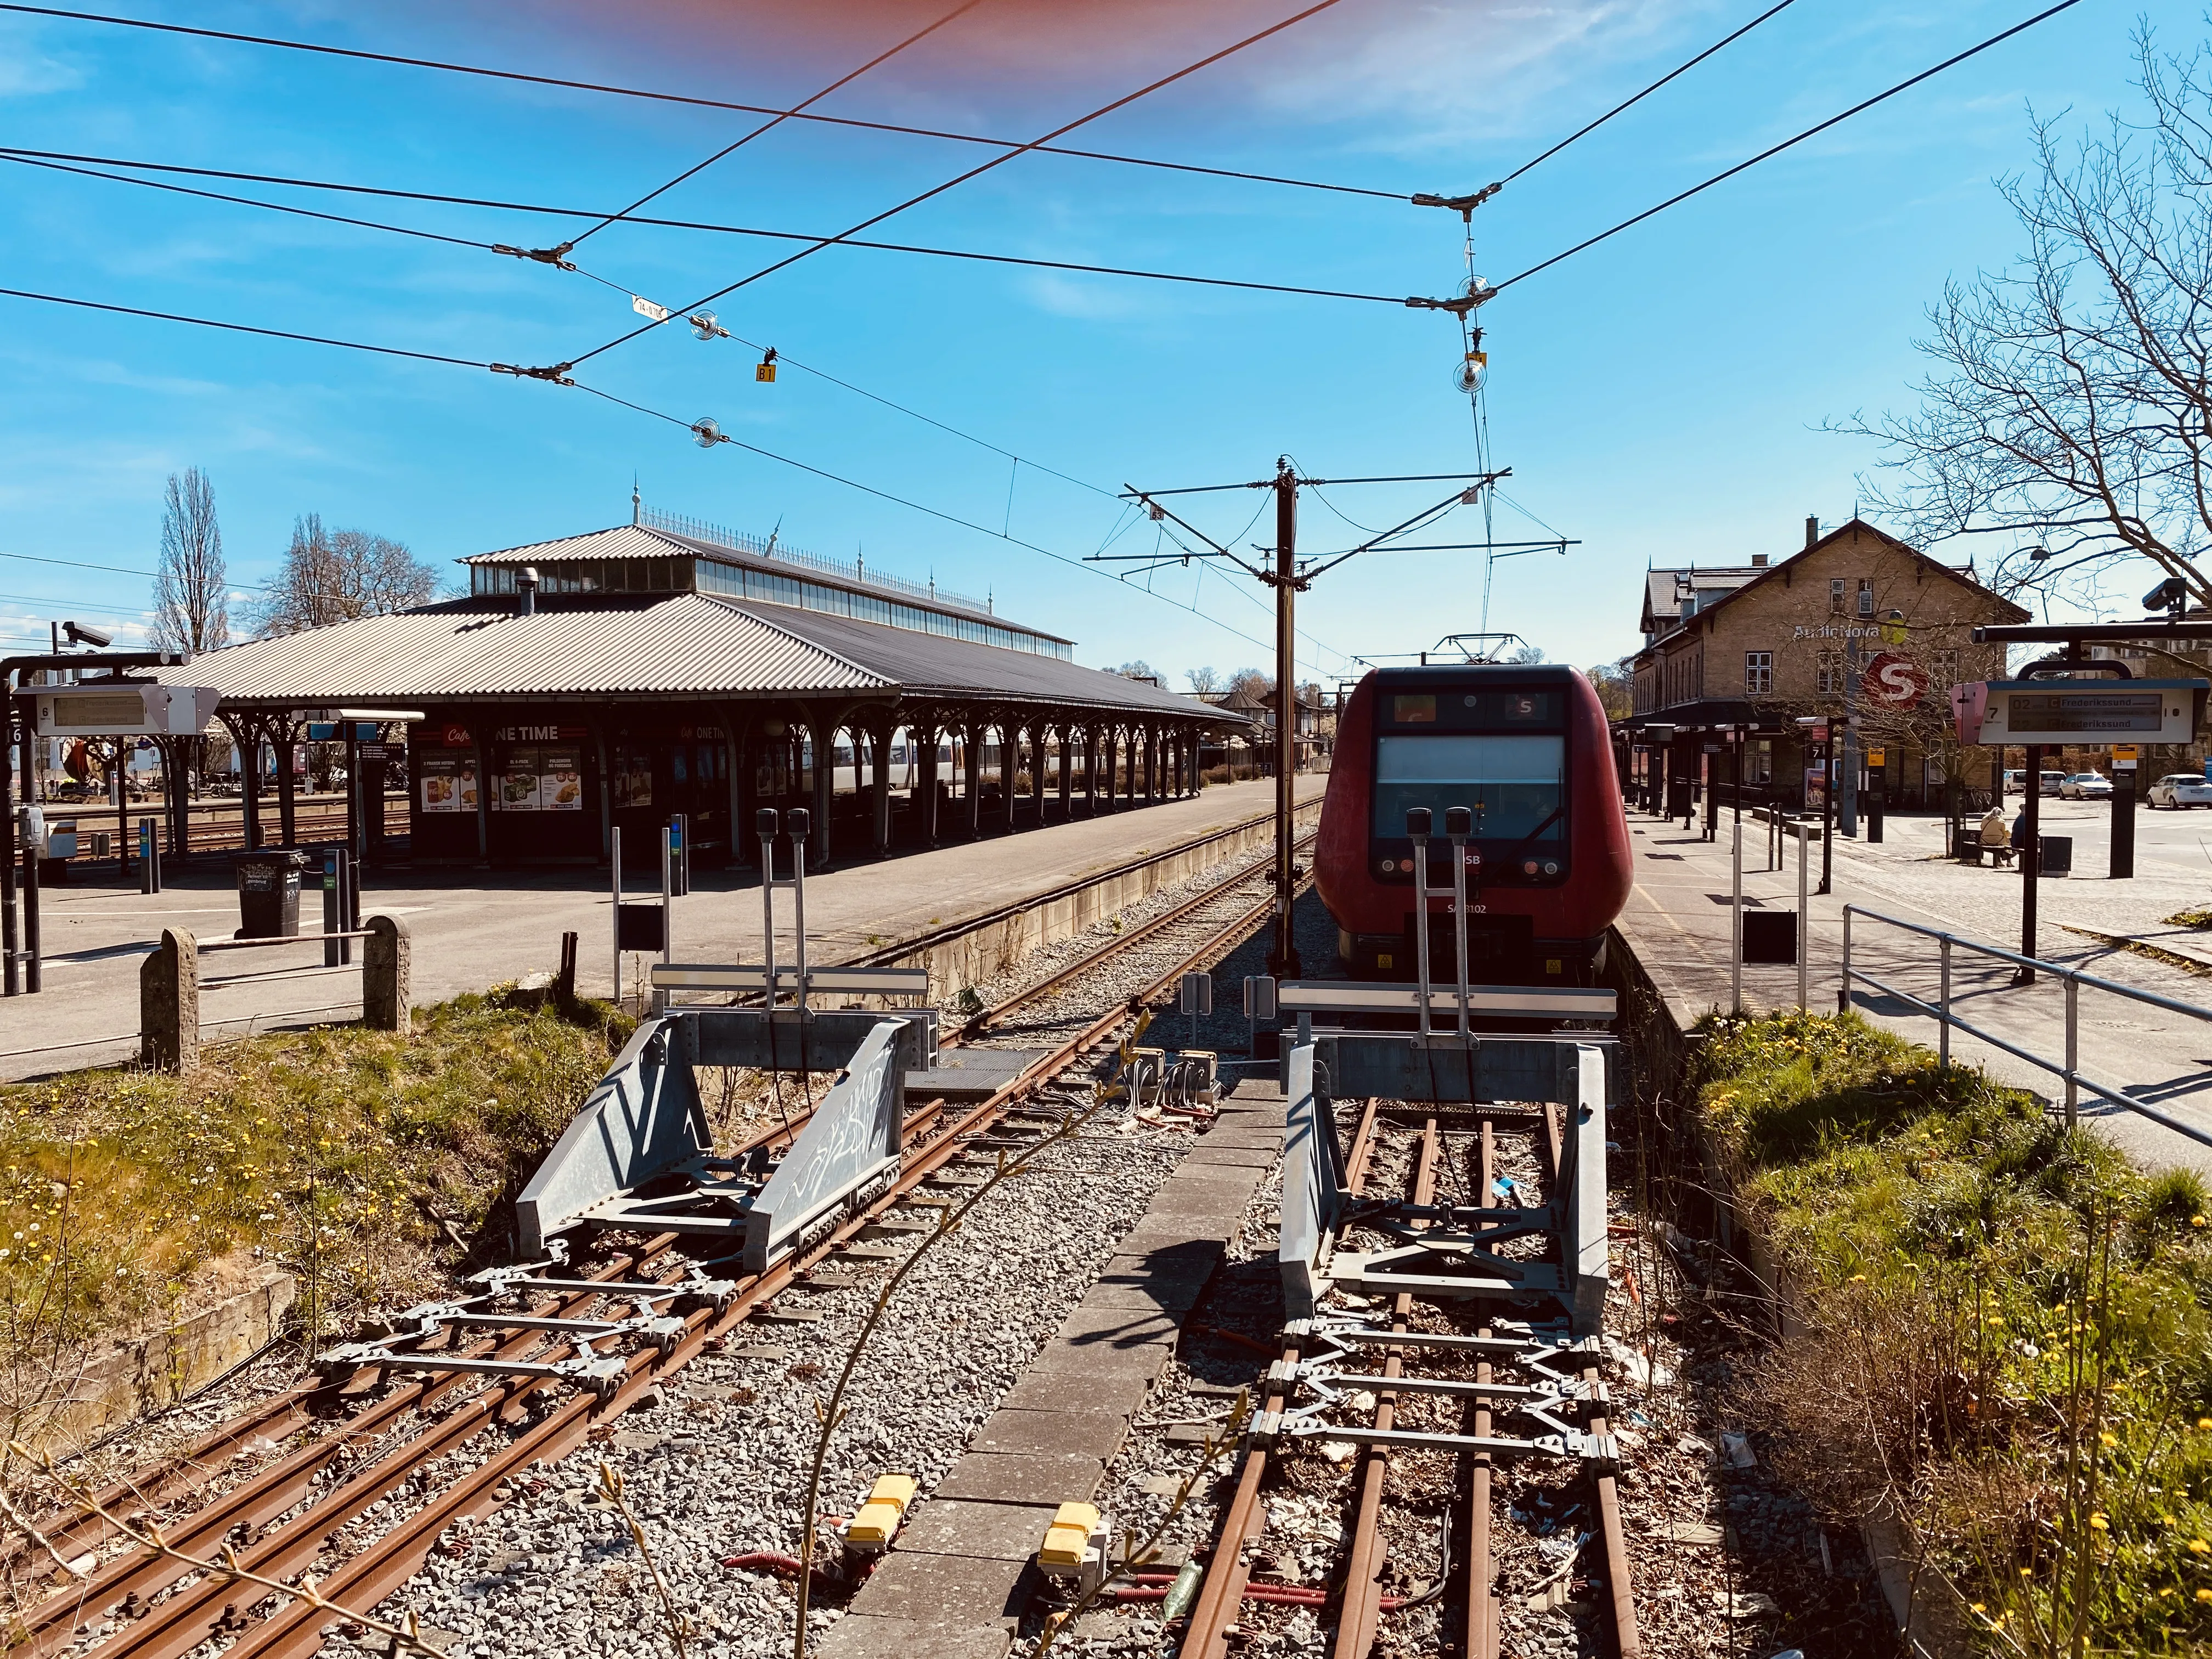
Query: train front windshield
x=1514 y=783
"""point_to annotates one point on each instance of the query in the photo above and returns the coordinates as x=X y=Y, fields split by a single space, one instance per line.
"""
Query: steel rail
x=1361 y=1615
x=270 y=1495
x=1627 y=1643
x=386 y=1564
x=1221 y=1593
x=888 y=955
x=187 y=1471
x=1138 y=935
x=1482 y=1609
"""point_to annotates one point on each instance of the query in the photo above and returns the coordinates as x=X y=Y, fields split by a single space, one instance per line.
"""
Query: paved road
x=473 y=929
x=1678 y=923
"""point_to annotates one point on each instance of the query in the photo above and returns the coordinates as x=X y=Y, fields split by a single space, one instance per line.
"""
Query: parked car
x=2086 y=786
x=2178 y=789
x=2052 y=783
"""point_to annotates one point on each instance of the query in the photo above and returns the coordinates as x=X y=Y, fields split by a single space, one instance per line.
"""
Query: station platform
x=474 y=929
x=1677 y=925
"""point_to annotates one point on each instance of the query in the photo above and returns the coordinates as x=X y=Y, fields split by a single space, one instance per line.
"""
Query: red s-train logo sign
x=1891 y=680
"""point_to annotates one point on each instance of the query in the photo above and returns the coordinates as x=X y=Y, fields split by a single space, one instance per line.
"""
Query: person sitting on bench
x=1997 y=838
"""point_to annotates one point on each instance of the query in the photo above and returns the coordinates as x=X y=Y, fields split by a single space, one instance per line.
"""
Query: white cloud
x=27 y=73
x=1439 y=74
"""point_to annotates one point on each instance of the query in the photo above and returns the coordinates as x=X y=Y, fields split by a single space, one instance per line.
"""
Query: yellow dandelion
x=2099 y=1523
x=2109 y=1438
x=2204 y=1596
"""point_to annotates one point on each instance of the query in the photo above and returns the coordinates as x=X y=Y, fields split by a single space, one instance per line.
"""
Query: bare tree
x=337 y=575
x=1202 y=680
x=1524 y=653
x=1139 y=669
x=192 y=610
x=1254 y=684
x=1616 y=689
x=2070 y=412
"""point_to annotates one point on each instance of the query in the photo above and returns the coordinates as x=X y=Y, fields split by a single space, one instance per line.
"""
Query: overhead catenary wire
x=783 y=358
x=84 y=164
x=768 y=454
x=887 y=496
x=1629 y=103
x=976 y=172
x=780 y=117
x=1787 y=144
x=607 y=90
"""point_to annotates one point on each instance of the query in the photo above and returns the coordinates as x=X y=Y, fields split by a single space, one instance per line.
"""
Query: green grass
x=340 y=1152
x=2009 y=1335
x=2200 y=919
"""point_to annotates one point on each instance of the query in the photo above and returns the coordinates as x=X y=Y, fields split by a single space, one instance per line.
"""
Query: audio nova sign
x=2058 y=712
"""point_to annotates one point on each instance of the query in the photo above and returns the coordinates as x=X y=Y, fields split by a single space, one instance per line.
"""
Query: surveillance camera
x=81 y=634
x=2169 y=595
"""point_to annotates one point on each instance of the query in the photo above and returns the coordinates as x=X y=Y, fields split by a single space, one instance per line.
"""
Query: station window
x=1866 y=596
x=1758 y=761
x=1835 y=596
x=1759 y=673
x=1828 y=673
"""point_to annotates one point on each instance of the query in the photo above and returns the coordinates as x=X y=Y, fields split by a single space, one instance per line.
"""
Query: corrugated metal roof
x=475 y=648
x=631 y=541
x=926 y=664
x=624 y=541
x=685 y=645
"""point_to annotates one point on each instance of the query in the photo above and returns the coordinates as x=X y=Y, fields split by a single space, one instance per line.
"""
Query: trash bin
x=269 y=893
x=2057 y=856
x=1680 y=801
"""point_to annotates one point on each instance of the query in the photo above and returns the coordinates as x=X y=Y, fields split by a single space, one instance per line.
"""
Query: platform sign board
x=125 y=709
x=2059 y=711
x=2125 y=756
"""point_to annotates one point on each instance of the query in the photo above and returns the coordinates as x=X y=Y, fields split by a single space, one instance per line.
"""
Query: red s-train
x=1528 y=749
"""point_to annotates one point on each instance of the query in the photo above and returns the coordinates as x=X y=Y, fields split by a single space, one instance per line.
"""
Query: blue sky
x=1658 y=398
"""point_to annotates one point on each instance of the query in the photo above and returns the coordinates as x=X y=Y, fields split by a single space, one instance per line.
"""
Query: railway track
x=1553 y=1532
x=349 y=1505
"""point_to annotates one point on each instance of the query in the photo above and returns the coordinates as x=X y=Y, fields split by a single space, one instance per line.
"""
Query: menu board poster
x=518 y=781
x=560 y=781
x=442 y=778
x=633 y=781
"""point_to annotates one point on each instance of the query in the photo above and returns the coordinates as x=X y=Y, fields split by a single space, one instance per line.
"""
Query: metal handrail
x=2071 y=978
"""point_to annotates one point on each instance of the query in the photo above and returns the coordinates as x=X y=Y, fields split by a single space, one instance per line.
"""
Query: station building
x=1856 y=619
x=606 y=681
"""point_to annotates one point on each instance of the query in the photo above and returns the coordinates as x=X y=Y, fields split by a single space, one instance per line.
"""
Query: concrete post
x=169 y=1004
x=386 y=975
